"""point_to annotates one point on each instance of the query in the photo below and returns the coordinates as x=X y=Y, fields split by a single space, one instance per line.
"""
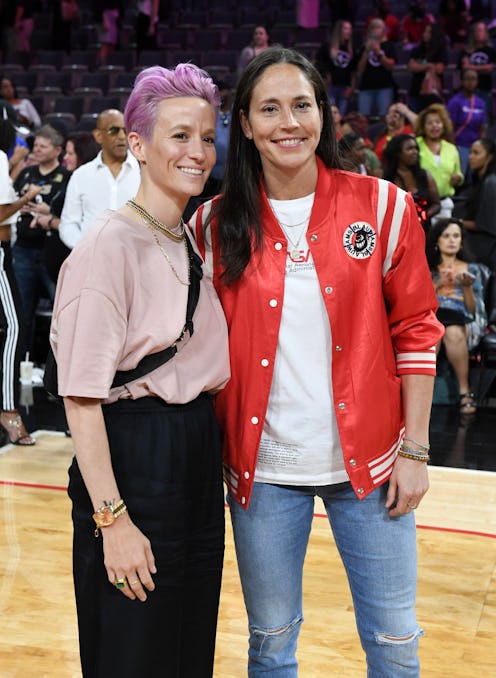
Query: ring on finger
x=120 y=583
x=134 y=582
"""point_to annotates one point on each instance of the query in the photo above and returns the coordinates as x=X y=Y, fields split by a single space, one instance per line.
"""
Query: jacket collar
x=324 y=203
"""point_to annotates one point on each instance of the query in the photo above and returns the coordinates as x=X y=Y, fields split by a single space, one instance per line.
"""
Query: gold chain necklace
x=166 y=256
x=294 y=254
x=151 y=227
x=149 y=218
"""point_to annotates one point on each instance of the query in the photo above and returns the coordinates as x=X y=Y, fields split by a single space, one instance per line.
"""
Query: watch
x=106 y=514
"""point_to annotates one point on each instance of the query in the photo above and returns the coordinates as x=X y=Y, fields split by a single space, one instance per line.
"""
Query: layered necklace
x=154 y=225
x=294 y=253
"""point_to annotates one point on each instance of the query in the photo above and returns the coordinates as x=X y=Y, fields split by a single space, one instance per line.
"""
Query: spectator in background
x=399 y=120
x=355 y=154
x=478 y=209
x=438 y=155
x=259 y=43
x=468 y=115
x=401 y=160
x=426 y=63
x=459 y=290
x=337 y=119
x=146 y=25
x=11 y=337
x=80 y=148
x=336 y=62
x=106 y=182
x=454 y=21
x=111 y=14
x=28 y=252
x=414 y=23
x=375 y=66
x=26 y=112
x=358 y=123
x=480 y=55
x=19 y=151
x=24 y=23
x=383 y=11
x=222 y=130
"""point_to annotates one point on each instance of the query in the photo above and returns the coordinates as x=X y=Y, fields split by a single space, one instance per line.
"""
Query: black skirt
x=167 y=463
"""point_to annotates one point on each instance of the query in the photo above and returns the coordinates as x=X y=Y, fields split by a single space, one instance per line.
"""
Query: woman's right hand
x=128 y=554
x=445 y=277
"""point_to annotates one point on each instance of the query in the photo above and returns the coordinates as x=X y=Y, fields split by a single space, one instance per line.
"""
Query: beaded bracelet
x=424 y=458
x=410 y=453
x=425 y=448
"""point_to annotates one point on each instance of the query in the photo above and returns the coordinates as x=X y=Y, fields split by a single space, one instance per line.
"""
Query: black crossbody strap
x=150 y=362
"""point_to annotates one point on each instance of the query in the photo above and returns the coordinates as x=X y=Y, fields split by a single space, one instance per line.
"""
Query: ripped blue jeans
x=378 y=553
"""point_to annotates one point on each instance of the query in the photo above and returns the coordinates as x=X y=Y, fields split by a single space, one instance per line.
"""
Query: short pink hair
x=155 y=84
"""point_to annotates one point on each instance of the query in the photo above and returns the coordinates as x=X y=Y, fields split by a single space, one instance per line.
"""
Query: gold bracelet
x=107 y=514
x=416 y=457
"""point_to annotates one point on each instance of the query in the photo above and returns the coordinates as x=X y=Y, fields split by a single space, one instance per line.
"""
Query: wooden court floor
x=456 y=598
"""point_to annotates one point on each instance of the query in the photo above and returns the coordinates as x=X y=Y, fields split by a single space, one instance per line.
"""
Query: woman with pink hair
x=137 y=382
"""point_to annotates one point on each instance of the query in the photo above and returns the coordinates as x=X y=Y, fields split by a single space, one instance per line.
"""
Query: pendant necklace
x=153 y=227
x=294 y=253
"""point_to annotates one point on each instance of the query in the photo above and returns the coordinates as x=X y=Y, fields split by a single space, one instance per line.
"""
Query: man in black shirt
x=29 y=260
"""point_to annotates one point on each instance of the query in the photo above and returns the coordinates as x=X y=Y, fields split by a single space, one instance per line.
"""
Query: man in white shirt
x=106 y=182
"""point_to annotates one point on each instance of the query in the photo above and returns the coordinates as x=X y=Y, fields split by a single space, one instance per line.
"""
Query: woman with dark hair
x=459 y=290
x=80 y=148
x=147 y=470
x=467 y=112
x=478 y=210
x=26 y=112
x=259 y=42
x=336 y=62
x=322 y=400
x=11 y=337
x=426 y=63
x=401 y=159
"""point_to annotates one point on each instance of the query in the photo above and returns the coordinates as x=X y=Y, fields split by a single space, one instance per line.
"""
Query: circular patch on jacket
x=359 y=240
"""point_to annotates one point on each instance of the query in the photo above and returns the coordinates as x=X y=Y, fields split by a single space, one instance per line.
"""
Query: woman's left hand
x=43 y=220
x=408 y=483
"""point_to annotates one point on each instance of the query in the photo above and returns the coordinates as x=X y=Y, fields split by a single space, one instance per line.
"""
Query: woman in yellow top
x=437 y=154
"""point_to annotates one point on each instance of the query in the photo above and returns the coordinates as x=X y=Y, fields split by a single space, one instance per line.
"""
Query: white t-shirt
x=300 y=442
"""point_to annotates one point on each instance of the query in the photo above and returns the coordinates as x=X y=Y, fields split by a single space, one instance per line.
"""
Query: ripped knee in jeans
x=392 y=639
x=272 y=640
